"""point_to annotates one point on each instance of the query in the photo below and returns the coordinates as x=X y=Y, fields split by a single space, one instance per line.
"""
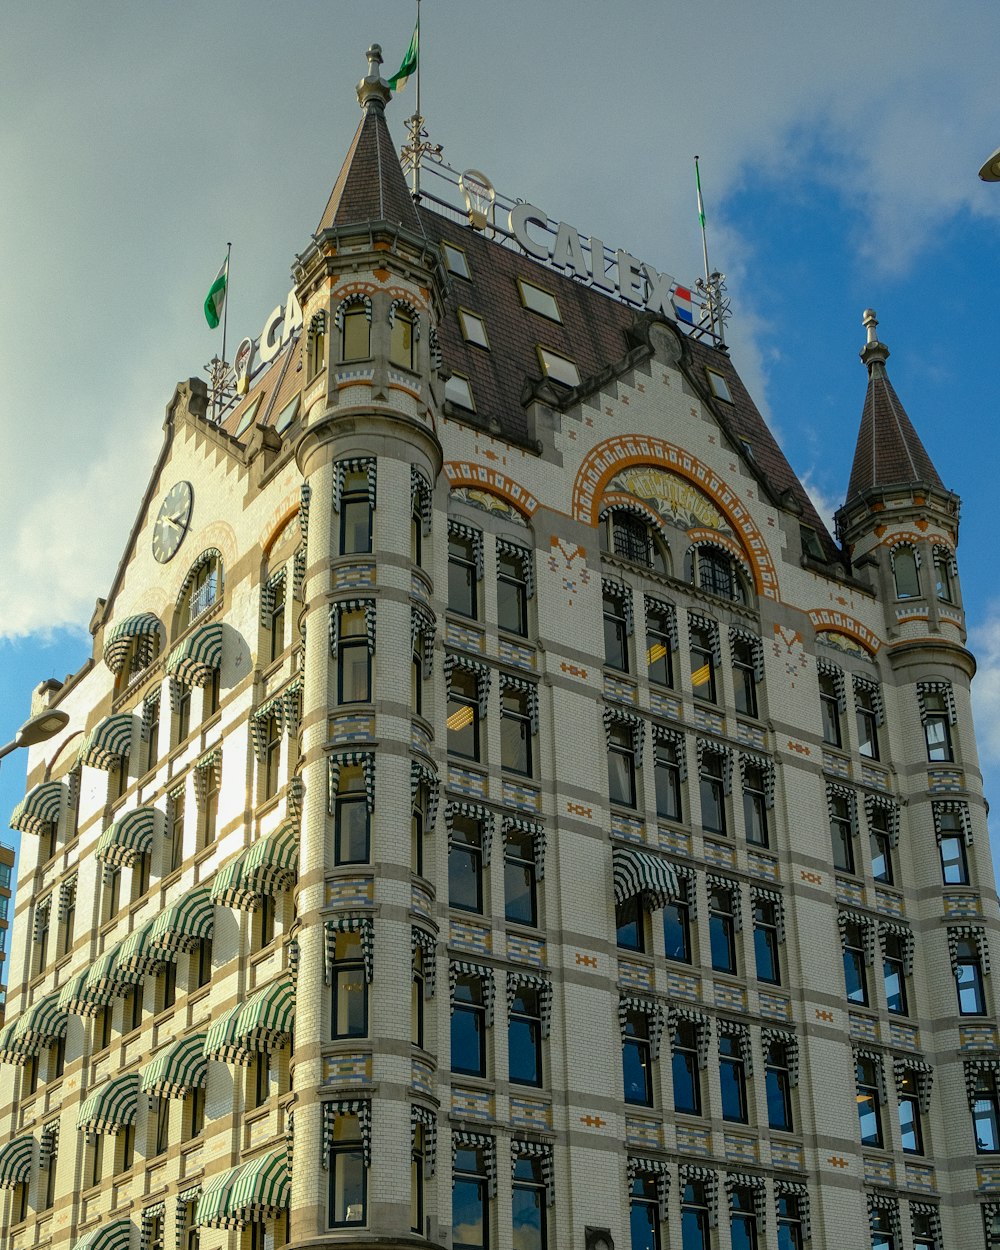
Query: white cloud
x=826 y=505
x=985 y=642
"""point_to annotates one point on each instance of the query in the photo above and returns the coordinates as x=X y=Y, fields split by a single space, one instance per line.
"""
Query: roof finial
x=873 y=351
x=373 y=90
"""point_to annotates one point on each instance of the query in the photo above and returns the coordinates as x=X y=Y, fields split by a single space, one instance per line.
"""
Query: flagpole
x=419 y=121
x=225 y=302
x=704 y=245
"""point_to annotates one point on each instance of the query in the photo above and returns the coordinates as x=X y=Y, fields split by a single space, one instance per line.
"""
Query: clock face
x=172 y=521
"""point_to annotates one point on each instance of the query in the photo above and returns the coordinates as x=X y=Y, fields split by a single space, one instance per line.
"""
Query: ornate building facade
x=497 y=813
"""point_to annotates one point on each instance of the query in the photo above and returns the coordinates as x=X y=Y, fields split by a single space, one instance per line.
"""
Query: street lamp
x=990 y=171
x=36 y=729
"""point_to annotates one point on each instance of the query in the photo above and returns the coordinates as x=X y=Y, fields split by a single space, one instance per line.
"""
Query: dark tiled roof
x=889 y=451
x=593 y=334
x=370 y=185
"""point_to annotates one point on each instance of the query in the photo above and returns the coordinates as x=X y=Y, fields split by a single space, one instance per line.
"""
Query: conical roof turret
x=370 y=185
x=889 y=451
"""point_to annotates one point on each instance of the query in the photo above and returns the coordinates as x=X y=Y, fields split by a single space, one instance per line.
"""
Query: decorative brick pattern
x=722 y=856
x=421 y=1076
x=627 y=827
x=710 y=722
x=693 y=1141
x=516 y=655
x=465 y=781
x=673 y=840
x=635 y=976
x=945 y=780
x=354 y=577
x=524 y=1113
x=620 y=691
x=878 y=1171
x=465 y=638
x=787 y=1155
x=347 y=1070
x=862 y=1027
x=524 y=798
x=525 y=950
x=477 y=939
x=763 y=866
x=664 y=705
x=472 y=1104
x=773 y=1007
x=679 y=985
x=646 y=1133
x=350 y=891
x=730 y=997
x=350 y=728
x=740 y=1149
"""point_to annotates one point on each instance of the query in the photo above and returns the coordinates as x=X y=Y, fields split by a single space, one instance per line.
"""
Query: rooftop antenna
x=712 y=288
x=417 y=148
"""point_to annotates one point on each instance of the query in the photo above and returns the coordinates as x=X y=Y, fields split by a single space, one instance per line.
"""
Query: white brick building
x=497 y=812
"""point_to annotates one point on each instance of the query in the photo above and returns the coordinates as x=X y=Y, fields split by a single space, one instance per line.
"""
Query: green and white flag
x=215 y=300
x=409 y=66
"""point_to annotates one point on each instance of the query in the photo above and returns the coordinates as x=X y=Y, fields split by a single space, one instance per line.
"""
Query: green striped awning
x=265 y=867
x=15 y=1161
x=199 y=656
x=117 y=1235
x=137 y=954
x=257 y=1025
x=39 y=808
x=641 y=872
x=9 y=1052
x=121 y=844
x=43 y=1023
x=262 y=1188
x=108 y=742
x=177 y=1069
x=119 y=639
x=107 y=977
x=75 y=997
x=186 y=922
x=111 y=1106
x=213 y=1205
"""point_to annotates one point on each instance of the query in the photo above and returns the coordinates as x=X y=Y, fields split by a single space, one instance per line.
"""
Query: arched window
x=629 y=536
x=316 y=345
x=354 y=321
x=202 y=588
x=906 y=571
x=404 y=333
x=717 y=571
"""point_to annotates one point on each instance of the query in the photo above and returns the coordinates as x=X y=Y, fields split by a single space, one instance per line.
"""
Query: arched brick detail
x=464 y=473
x=827 y=619
x=623 y=451
x=618 y=499
x=278 y=519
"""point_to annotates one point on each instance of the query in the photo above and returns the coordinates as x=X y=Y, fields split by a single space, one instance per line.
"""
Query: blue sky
x=839 y=153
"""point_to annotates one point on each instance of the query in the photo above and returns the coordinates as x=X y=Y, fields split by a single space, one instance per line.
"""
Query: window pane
x=519 y=893
x=347 y=1186
x=468 y=1045
x=686 y=1091
x=356 y=335
x=528 y=1218
x=765 y=943
x=355 y=674
x=970 y=990
x=953 y=863
x=984 y=1116
x=525 y=1057
x=778 y=1100
x=355 y=526
x=350 y=1014
x=642 y=1226
x=352 y=830
x=676 y=933
x=468 y=1214
x=637 y=1075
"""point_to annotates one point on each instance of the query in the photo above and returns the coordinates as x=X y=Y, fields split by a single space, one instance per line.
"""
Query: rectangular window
x=470 y=1200
x=866 y=713
x=354 y=661
x=468 y=1027
x=140 y=875
x=778 y=1085
x=867 y=1078
x=677 y=931
x=621 y=765
x=276 y=620
x=722 y=930
x=210 y=780
x=732 y=1079
x=855 y=975
x=667 y=777
x=182 y=712
x=696 y=1232
x=659 y=633
x=745 y=676
x=713 y=792
x=615 y=631
x=528 y=1209
x=201 y=963
x=194 y=1113
x=829 y=702
x=755 y=804
x=924 y=1230
x=937 y=726
x=789 y=1222
x=465 y=864
x=520 y=878
x=190 y=1238
x=417 y=992
x=166 y=986
x=515 y=731
x=637 y=1060
x=473 y=328
x=463 y=714
x=684 y=1064
x=402 y=340
x=68 y=923
x=355 y=514
x=458 y=391
x=132 y=1008
x=350 y=989
x=765 y=942
x=211 y=694
x=986 y=1114
x=152 y=745
x=352 y=819
x=880 y=839
x=894 y=973
x=969 y=979
x=524 y=1037
x=630 y=922
x=258 y=1080
x=910 y=1129
x=175 y=841
x=455 y=260
x=954 y=865
x=702 y=652
x=348 y=1200
x=271 y=762
x=558 y=368
x=124 y=1148
x=94 y=1162
x=110 y=894
x=356 y=334
x=463 y=575
x=262 y=923
x=842 y=831
x=418 y=823
x=418 y=1148
x=43 y=911
x=512 y=594
x=161 y=1129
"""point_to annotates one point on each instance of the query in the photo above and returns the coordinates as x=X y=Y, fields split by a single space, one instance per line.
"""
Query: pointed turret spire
x=889 y=451
x=370 y=185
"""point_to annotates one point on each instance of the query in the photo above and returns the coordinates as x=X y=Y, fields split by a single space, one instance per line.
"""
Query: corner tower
x=369 y=288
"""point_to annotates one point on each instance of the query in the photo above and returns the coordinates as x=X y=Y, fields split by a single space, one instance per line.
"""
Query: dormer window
x=473 y=328
x=456 y=261
x=558 y=368
x=354 y=319
x=539 y=300
x=403 y=335
x=247 y=419
x=458 y=391
x=719 y=386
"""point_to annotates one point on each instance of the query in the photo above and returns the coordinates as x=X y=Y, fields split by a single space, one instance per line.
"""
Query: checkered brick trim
x=732 y=1028
x=703 y=1028
x=621 y=592
x=350 y=924
x=835 y=791
x=692 y=1173
x=708 y=746
x=424 y=1117
x=716 y=882
x=659 y=1170
x=867 y=685
x=787 y=1039
x=462 y=968
x=482 y=672
x=474 y=811
x=762 y=894
x=880 y=1202
x=654 y=1013
x=882 y=803
x=669 y=612
x=426 y=775
x=269 y=596
x=423 y=626
x=938 y=810
x=421 y=500
x=529 y=688
x=846 y=917
x=478 y=1141
x=359 y=464
x=697 y=620
x=799 y=1190
x=892 y=928
x=523 y=1149
x=637 y=726
x=739 y=633
x=362 y=1108
x=518 y=824
x=943 y=688
x=341 y=759
x=756 y=1185
x=421 y=939
x=924 y=1074
x=459 y=529
x=516 y=552
x=534 y=981
x=969 y=933
x=672 y=738
x=750 y=760
x=827 y=668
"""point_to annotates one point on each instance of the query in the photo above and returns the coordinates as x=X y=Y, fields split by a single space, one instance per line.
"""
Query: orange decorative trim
x=578 y=809
x=614 y=454
x=276 y=522
x=824 y=1015
x=828 y=619
x=592 y=1121
x=465 y=473
x=701 y=535
x=588 y=961
x=904 y=536
x=814 y=878
x=574 y=670
x=618 y=499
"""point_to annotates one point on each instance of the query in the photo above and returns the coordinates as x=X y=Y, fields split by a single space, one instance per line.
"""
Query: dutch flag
x=681 y=300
